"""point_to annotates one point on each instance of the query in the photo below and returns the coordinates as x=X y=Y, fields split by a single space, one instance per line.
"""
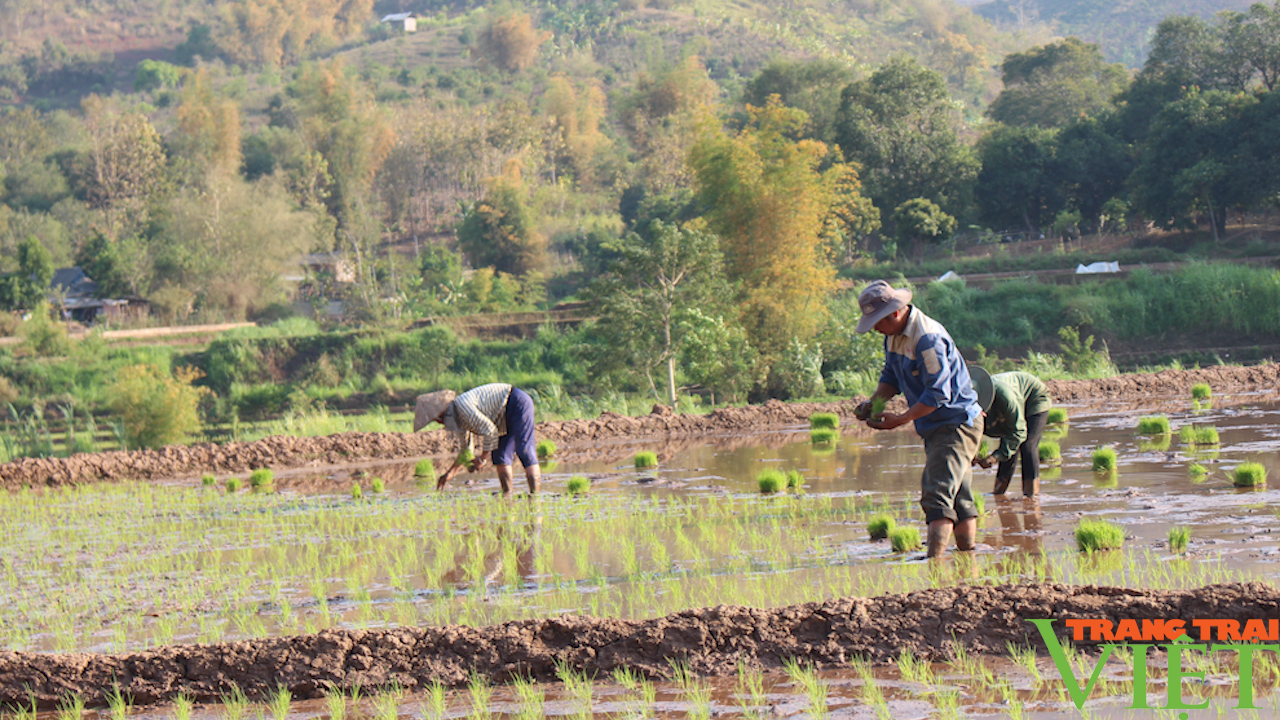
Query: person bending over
x=497 y=415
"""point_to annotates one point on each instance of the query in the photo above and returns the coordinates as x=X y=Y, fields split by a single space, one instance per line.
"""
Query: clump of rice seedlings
x=1025 y=657
x=578 y=485
x=1050 y=451
x=1056 y=416
x=546 y=449
x=182 y=707
x=1155 y=443
x=481 y=695
x=261 y=478
x=279 y=702
x=386 y=704
x=532 y=698
x=425 y=468
x=1202 y=435
x=435 y=701
x=904 y=539
x=208 y=480
x=880 y=526
x=377 y=486
x=645 y=692
x=71 y=707
x=579 y=686
x=1104 y=459
x=1154 y=425
x=771 y=481
x=1093 y=535
x=1250 y=474
x=914 y=668
x=335 y=702
x=805 y=676
x=823 y=436
x=1196 y=470
x=824 y=420
x=984 y=449
x=466 y=457
x=878 y=406
x=646 y=459
x=119 y=703
x=235 y=704
x=233 y=485
x=1179 y=538
x=980 y=504
x=750 y=691
x=795 y=480
x=1201 y=392
x=357 y=492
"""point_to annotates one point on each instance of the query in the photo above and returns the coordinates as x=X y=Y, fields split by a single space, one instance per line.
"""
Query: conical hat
x=983 y=385
x=431 y=406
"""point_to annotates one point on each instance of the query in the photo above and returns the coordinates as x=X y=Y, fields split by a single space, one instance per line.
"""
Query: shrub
x=771 y=481
x=1204 y=435
x=546 y=448
x=1094 y=535
x=1050 y=450
x=1154 y=425
x=1104 y=459
x=357 y=492
x=155 y=408
x=795 y=480
x=646 y=459
x=880 y=526
x=822 y=436
x=426 y=468
x=376 y=486
x=233 y=485
x=261 y=478
x=578 y=485
x=824 y=420
x=1250 y=474
x=904 y=539
x=208 y=480
x=1179 y=538
x=1057 y=416
x=1201 y=392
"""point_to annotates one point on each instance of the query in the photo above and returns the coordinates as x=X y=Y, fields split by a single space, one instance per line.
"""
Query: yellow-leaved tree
x=778 y=214
x=157 y=408
x=577 y=112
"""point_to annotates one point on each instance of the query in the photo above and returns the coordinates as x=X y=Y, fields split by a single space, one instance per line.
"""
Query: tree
x=498 y=231
x=664 y=116
x=901 y=126
x=813 y=86
x=1091 y=166
x=717 y=355
x=661 y=277
x=1253 y=41
x=208 y=126
x=29 y=286
x=1016 y=183
x=278 y=32
x=511 y=41
x=1056 y=84
x=123 y=168
x=920 y=219
x=577 y=113
x=156 y=408
x=155 y=75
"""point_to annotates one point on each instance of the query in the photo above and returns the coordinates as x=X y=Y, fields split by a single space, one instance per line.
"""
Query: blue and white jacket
x=924 y=365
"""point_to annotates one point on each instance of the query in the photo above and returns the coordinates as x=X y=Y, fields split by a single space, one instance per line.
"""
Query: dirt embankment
x=711 y=640
x=578 y=439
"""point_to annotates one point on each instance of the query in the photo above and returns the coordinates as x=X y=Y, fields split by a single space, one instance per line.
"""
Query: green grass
x=880 y=526
x=824 y=420
x=425 y=468
x=261 y=478
x=1250 y=474
x=646 y=459
x=546 y=449
x=1199 y=435
x=578 y=485
x=1104 y=459
x=771 y=481
x=1057 y=416
x=795 y=481
x=1154 y=425
x=1092 y=535
x=1050 y=450
x=1201 y=392
x=904 y=539
x=823 y=436
x=1179 y=538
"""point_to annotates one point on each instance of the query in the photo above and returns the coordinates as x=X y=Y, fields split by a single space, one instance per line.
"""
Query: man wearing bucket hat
x=498 y=415
x=1017 y=415
x=922 y=363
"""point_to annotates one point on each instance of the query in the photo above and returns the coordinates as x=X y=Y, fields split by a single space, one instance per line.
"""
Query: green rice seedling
x=70 y=707
x=771 y=481
x=279 y=702
x=646 y=459
x=878 y=406
x=466 y=457
x=235 y=704
x=1104 y=459
x=182 y=707
x=1250 y=474
x=795 y=481
x=481 y=696
x=261 y=479
x=980 y=504
x=1025 y=657
x=233 y=485
x=1197 y=471
x=880 y=525
x=904 y=539
x=377 y=486
x=546 y=449
x=645 y=691
x=750 y=691
x=1056 y=416
x=824 y=420
x=1092 y=535
x=208 y=480
x=578 y=485
x=805 y=676
x=119 y=703
x=357 y=492
x=435 y=701
x=823 y=436
x=532 y=698
x=914 y=668
x=335 y=702
x=1198 y=435
x=1154 y=425
x=425 y=468
x=1050 y=451
x=1179 y=538
x=579 y=685
x=1201 y=392
x=386 y=704
x=984 y=449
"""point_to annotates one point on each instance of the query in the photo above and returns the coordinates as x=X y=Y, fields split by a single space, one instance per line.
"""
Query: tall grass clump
x=1104 y=459
x=823 y=436
x=646 y=459
x=1154 y=425
x=881 y=525
x=1250 y=474
x=1094 y=535
x=546 y=449
x=904 y=539
x=578 y=485
x=1201 y=435
x=771 y=481
x=261 y=479
x=1050 y=451
x=1201 y=392
x=425 y=468
x=1056 y=416
x=824 y=420
x=1179 y=538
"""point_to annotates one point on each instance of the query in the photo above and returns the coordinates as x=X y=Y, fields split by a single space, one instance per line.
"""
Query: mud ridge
x=711 y=640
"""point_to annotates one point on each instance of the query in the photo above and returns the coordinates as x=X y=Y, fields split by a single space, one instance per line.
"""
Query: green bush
x=1179 y=538
x=880 y=526
x=1094 y=535
x=578 y=485
x=1154 y=425
x=546 y=449
x=155 y=408
x=1057 y=416
x=426 y=468
x=823 y=436
x=646 y=459
x=795 y=480
x=1050 y=450
x=261 y=478
x=1201 y=392
x=904 y=539
x=771 y=481
x=1250 y=474
x=824 y=420
x=1104 y=459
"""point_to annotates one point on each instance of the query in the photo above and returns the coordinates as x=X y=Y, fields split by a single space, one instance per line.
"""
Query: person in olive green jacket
x=1017 y=416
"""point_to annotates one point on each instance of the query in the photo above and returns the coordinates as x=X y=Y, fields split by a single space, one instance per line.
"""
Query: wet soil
x=712 y=641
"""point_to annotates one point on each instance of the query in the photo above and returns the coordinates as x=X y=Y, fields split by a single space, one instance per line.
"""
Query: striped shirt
x=481 y=413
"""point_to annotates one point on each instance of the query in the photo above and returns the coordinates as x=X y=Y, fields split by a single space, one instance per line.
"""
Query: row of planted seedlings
x=1197 y=440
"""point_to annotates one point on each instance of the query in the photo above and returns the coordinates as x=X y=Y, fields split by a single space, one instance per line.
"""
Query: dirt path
x=711 y=640
x=578 y=439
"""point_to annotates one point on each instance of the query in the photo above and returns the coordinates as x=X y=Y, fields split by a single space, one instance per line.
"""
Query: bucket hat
x=878 y=301
x=431 y=406
x=983 y=385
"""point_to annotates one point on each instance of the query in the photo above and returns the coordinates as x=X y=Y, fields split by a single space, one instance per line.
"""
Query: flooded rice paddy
x=122 y=567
